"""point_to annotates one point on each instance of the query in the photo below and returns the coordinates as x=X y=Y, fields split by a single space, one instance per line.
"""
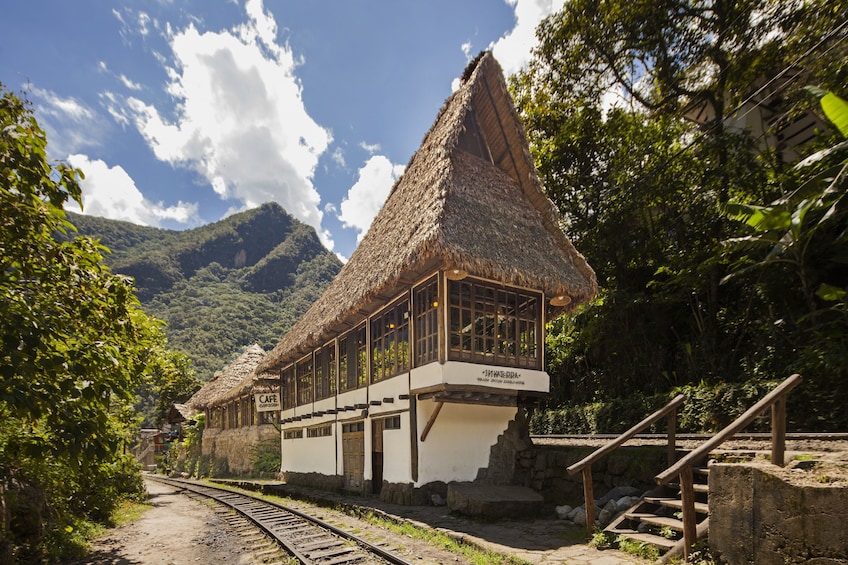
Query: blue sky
x=182 y=112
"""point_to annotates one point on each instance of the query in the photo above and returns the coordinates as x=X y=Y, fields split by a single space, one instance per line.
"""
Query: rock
x=579 y=517
x=574 y=512
x=616 y=493
x=563 y=511
x=607 y=513
x=437 y=500
x=625 y=502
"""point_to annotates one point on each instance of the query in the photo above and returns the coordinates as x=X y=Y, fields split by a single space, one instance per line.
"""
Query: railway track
x=305 y=538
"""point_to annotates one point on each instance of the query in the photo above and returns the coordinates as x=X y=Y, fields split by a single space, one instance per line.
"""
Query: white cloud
x=70 y=125
x=132 y=85
x=111 y=193
x=338 y=157
x=513 y=50
x=367 y=195
x=369 y=147
x=239 y=118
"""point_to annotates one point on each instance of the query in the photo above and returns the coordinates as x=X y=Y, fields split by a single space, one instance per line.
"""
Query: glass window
x=353 y=351
x=304 y=381
x=289 y=388
x=426 y=304
x=390 y=342
x=293 y=434
x=324 y=430
x=269 y=417
x=325 y=372
x=493 y=325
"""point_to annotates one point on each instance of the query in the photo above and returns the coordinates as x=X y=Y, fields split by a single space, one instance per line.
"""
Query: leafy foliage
x=74 y=346
x=645 y=193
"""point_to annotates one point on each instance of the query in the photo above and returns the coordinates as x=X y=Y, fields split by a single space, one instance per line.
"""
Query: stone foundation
x=235 y=445
x=314 y=480
x=766 y=515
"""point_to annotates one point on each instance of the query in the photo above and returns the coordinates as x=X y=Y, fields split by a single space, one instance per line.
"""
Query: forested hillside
x=220 y=287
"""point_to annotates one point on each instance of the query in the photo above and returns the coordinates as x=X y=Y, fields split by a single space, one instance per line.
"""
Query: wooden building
x=406 y=371
x=233 y=423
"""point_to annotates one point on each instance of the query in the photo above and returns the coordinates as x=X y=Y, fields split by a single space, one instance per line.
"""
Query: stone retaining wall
x=543 y=469
x=235 y=445
x=763 y=514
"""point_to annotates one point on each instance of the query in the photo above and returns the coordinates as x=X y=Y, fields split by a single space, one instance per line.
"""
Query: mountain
x=223 y=286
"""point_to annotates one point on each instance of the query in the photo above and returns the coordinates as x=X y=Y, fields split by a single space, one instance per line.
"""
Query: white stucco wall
x=397 y=452
x=310 y=454
x=459 y=441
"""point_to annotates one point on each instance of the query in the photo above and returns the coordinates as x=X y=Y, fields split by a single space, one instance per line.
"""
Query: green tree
x=74 y=346
x=642 y=188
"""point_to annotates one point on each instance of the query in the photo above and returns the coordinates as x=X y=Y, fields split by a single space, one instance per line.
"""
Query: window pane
x=492 y=324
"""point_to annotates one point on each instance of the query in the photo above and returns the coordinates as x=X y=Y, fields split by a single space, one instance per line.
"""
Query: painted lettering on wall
x=501 y=376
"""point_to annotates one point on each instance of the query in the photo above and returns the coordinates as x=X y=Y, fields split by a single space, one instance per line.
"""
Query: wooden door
x=353 y=455
x=377 y=427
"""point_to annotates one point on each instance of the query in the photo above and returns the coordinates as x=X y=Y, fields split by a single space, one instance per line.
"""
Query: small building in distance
x=406 y=373
x=233 y=425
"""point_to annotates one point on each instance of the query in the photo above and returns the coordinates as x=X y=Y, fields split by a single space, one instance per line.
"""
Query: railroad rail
x=309 y=540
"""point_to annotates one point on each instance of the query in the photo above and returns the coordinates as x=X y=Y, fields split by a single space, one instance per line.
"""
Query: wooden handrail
x=741 y=422
x=673 y=405
x=776 y=400
x=585 y=464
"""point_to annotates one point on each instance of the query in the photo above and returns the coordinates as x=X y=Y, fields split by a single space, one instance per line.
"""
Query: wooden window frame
x=425 y=304
x=389 y=339
x=493 y=324
x=304 y=376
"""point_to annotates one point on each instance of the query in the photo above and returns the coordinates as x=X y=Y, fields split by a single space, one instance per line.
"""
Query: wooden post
x=671 y=426
x=778 y=431
x=589 y=496
x=687 y=496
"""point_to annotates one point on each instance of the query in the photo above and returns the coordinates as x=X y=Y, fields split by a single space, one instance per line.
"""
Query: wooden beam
x=778 y=431
x=413 y=429
x=431 y=421
x=687 y=497
x=588 y=494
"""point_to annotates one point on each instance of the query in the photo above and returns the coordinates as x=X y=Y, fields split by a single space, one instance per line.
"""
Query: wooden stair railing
x=776 y=400
x=585 y=464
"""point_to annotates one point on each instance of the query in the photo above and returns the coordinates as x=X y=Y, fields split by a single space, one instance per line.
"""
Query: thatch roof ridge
x=421 y=222
x=227 y=378
x=252 y=383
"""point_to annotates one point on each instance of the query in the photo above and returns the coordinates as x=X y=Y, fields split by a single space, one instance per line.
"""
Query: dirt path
x=176 y=531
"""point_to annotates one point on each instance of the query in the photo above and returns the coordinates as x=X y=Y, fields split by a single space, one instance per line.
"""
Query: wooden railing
x=585 y=464
x=776 y=400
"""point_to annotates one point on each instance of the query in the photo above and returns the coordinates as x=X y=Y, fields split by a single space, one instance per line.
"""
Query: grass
x=467 y=551
x=128 y=511
x=605 y=540
x=73 y=541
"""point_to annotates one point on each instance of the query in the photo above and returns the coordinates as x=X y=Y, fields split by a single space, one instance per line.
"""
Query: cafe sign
x=267 y=401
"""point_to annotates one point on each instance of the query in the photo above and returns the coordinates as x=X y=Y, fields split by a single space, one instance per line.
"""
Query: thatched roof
x=230 y=376
x=180 y=413
x=252 y=383
x=470 y=198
